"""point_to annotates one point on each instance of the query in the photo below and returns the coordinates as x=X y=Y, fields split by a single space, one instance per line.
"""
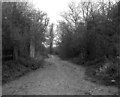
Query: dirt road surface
x=56 y=78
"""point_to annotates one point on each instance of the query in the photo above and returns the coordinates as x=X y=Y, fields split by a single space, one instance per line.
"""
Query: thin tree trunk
x=15 y=53
x=32 y=49
x=51 y=44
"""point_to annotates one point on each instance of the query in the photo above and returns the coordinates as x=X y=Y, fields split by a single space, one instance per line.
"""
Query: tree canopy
x=23 y=28
x=90 y=30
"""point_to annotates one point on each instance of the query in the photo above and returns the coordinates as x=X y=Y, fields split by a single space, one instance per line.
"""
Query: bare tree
x=73 y=16
x=51 y=37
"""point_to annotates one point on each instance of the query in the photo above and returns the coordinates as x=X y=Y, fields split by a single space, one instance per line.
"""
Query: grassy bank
x=13 y=69
x=101 y=71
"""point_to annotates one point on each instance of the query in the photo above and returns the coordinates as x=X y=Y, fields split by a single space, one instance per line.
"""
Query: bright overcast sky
x=54 y=7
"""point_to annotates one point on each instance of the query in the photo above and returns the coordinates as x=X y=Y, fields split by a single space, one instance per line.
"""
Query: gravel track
x=56 y=78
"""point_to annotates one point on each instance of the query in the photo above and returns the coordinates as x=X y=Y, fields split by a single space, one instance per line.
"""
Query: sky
x=55 y=7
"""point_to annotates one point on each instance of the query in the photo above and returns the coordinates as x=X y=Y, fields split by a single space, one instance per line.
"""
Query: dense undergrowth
x=13 y=69
x=102 y=71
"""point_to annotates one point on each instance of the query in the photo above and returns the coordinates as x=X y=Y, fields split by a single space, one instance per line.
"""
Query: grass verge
x=101 y=71
x=13 y=69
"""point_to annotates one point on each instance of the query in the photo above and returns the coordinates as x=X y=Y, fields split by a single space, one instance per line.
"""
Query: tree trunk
x=51 y=44
x=32 y=49
x=15 y=53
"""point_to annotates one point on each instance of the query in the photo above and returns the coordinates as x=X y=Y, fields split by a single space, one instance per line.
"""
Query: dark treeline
x=23 y=35
x=23 y=29
x=90 y=32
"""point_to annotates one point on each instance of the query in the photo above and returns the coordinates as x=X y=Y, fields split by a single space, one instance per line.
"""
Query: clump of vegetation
x=106 y=73
x=13 y=69
x=31 y=63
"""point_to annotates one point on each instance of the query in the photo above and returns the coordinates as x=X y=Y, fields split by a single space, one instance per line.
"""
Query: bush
x=106 y=72
x=31 y=63
x=13 y=69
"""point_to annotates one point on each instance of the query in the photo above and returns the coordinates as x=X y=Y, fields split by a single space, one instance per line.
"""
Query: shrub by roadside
x=31 y=63
x=14 y=69
x=102 y=70
x=107 y=72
